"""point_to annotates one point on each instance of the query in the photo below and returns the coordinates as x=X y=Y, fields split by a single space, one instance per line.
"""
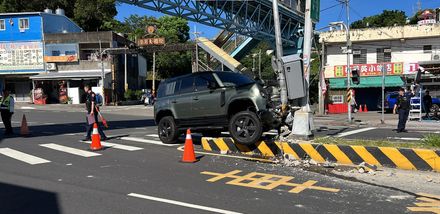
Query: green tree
x=386 y=19
x=94 y=15
x=174 y=29
x=267 y=72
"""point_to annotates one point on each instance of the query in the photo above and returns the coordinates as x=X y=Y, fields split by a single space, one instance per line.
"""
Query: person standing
x=7 y=110
x=402 y=107
x=92 y=112
x=427 y=103
x=353 y=102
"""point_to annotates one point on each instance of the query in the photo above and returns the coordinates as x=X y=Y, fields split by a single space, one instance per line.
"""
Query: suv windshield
x=234 y=79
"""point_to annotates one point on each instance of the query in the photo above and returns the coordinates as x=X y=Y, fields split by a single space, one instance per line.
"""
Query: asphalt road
x=51 y=172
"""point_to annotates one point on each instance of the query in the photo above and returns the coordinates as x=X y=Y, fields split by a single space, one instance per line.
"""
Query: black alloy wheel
x=167 y=130
x=245 y=128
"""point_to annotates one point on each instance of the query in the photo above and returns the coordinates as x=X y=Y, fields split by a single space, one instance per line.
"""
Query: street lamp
x=348 y=52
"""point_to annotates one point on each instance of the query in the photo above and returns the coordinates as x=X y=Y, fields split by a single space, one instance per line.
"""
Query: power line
x=328 y=8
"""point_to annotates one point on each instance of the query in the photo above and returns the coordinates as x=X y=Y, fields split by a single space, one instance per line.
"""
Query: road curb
x=402 y=158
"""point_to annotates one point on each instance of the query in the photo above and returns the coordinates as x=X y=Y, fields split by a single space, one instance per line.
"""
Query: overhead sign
x=17 y=56
x=316 y=9
x=151 y=41
x=69 y=58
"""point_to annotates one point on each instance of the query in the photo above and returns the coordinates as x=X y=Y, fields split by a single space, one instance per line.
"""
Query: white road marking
x=141 y=140
x=26 y=107
x=30 y=159
x=117 y=146
x=70 y=150
x=152 y=135
x=405 y=138
x=183 y=204
x=344 y=134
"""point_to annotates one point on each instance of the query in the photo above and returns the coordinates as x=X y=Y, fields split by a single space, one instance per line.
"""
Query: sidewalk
x=373 y=119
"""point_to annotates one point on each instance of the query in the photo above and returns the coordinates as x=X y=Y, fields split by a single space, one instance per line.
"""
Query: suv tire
x=245 y=127
x=167 y=130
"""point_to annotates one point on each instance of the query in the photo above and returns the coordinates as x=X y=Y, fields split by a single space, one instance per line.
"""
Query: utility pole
x=196 y=35
x=102 y=72
x=125 y=73
x=303 y=123
x=279 y=54
x=259 y=64
x=347 y=28
x=153 y=88
x=321 y=81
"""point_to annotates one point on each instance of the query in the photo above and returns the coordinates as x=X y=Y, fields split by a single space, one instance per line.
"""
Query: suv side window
x=202 y=81
x=186 y=85
x=170 y=88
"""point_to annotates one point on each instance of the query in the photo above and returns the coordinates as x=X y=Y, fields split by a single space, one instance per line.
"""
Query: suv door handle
x=195 y=98
x=174 y=101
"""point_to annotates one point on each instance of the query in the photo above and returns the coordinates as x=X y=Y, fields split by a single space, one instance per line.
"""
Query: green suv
x=211 y=102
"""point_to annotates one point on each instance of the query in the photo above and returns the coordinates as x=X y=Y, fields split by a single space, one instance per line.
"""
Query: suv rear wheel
x=245 y=127
x=167 y=129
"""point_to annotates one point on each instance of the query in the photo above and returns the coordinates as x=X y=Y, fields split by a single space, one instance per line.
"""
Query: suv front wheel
x=245 y=127
x=167 y=129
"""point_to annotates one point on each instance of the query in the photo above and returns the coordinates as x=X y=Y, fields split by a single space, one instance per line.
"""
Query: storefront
x=369 y=91
x=64 y=87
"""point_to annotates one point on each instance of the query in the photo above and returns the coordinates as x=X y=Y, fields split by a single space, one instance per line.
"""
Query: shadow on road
x=17 y=199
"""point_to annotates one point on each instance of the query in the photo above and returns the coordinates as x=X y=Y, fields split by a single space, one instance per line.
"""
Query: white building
x=400 y=49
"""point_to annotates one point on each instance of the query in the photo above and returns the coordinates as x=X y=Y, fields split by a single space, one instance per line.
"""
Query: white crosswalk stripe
x=70 y=150
x=117 y=146
x=21 y=156
x=142 y=140
x=152 y=135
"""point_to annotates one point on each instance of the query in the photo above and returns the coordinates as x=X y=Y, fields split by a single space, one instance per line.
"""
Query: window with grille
x=383 y=55
x=360 y=56
x=2 y=24
x=23 y=24
x=427 y=48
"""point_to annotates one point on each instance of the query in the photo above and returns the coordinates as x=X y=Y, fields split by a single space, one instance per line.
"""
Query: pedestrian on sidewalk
x=427 y=103
x=402 y=107
x=7 y=110
x=92 y=113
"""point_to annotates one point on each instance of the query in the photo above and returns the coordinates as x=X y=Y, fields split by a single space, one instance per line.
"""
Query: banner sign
x=151 y=41
x=16 y=56
x=370 y=69
x=68 y=58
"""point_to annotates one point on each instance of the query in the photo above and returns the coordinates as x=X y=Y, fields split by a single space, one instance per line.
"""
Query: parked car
x=212 y=102
x=391 y=99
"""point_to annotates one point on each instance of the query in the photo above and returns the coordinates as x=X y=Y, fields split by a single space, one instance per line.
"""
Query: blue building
x=22 y=47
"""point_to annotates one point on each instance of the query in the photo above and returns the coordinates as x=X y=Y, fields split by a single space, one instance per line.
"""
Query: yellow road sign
x=265 y=181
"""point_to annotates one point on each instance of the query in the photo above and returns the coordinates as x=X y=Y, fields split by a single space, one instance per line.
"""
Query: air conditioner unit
x=435 y=57
x=22 y=30
x=51 y=66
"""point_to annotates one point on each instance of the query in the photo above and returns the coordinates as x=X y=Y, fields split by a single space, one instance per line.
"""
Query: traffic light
x=355 y=77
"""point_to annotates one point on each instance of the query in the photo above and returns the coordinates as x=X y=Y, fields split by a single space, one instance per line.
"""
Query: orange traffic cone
x=365 y=108
x=360 y=108
x=189 y=155
x=24 y=130
x=96 y=139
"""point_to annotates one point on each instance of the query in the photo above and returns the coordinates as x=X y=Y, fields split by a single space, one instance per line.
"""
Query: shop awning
x=67 y=75
x=368 y=82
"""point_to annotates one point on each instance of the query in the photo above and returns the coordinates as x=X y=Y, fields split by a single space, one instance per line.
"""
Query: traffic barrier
x=403 y=158
x=24 y=129
x=189 y=156
x=96 y=139
x=365 y=108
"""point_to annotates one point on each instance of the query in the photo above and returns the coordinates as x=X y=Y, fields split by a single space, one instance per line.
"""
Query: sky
x=331 y=10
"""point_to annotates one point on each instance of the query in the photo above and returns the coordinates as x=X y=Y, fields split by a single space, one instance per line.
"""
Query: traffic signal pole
x=303 y=122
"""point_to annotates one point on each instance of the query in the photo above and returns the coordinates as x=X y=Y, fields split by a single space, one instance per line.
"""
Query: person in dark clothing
x=427 y=103
x=7 y=110
x=92 y=110
x=402 y=107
